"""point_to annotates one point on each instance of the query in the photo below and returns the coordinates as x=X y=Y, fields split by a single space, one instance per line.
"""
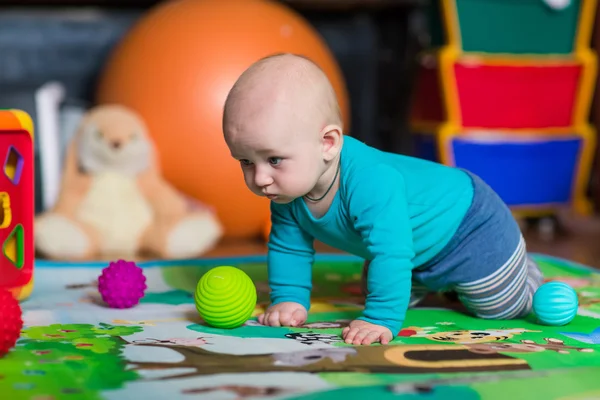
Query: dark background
x=374 y=41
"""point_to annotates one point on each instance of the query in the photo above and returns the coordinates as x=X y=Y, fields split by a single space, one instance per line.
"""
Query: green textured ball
x=225 y=297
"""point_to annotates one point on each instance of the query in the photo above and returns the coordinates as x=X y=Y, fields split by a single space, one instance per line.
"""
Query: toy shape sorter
x=17 y=203
x=505 y=91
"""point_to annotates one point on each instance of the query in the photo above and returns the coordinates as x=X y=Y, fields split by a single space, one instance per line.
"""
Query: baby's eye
x=245 y=162
x=274 y=160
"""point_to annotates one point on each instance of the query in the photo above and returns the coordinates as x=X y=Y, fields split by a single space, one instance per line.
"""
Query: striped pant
x=507 y=293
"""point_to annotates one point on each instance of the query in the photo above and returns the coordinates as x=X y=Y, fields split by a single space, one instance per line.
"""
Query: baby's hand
x=363 y=332
x=284 y=314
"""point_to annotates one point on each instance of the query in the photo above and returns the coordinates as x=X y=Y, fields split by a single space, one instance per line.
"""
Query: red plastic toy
x=11 y=321
x=16 y=203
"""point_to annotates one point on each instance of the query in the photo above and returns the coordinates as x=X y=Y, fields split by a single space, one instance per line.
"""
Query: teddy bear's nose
x=115 y=144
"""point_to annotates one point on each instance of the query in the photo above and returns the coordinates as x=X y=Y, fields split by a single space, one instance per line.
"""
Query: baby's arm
x=290 y=258
x=378 y=205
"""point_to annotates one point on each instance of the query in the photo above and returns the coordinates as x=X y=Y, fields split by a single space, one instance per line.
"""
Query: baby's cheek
x=306 y=181
x=247 y=176
x=249 y=180
x=289 y=183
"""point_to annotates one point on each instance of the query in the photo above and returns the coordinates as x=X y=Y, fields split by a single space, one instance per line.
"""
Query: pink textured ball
x=122 y=284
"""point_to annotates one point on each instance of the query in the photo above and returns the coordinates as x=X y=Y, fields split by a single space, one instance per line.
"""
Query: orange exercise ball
x=176 y=66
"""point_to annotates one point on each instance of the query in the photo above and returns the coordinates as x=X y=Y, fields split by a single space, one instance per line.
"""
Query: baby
x=416 y=223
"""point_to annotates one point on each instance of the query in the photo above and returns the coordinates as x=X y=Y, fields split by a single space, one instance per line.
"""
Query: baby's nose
x=261 y=179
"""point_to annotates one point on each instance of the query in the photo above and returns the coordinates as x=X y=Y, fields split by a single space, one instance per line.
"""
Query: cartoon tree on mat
x=71 y=359
x=375 y=359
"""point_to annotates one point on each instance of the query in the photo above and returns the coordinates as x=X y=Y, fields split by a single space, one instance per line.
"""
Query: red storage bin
x=511 y=93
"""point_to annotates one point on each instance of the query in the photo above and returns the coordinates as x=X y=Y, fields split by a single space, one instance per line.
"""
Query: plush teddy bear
x=114 y=201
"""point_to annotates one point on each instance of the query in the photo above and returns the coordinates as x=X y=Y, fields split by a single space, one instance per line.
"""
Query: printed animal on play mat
x=310 y=338
x=114 y=199
x=464 y=336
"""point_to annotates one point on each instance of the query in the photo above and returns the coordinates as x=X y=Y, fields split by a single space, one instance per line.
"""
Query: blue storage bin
x=532 y=172
x=527 y=171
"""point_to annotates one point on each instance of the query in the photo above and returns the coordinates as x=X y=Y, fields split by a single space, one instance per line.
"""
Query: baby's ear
x=332 y=138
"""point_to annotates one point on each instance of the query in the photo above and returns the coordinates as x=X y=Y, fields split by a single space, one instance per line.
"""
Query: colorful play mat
x=74 y=347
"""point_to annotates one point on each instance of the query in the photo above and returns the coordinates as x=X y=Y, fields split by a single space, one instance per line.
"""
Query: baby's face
x=280 y=157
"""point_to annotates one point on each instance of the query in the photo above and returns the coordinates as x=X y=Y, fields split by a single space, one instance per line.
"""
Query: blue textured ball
x=555 y=303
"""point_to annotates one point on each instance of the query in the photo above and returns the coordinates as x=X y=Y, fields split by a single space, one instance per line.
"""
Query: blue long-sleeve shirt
x=394 y=210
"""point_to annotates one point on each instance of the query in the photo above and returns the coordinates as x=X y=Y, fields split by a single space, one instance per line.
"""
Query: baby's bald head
x=282 y=83
x=281 y=120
